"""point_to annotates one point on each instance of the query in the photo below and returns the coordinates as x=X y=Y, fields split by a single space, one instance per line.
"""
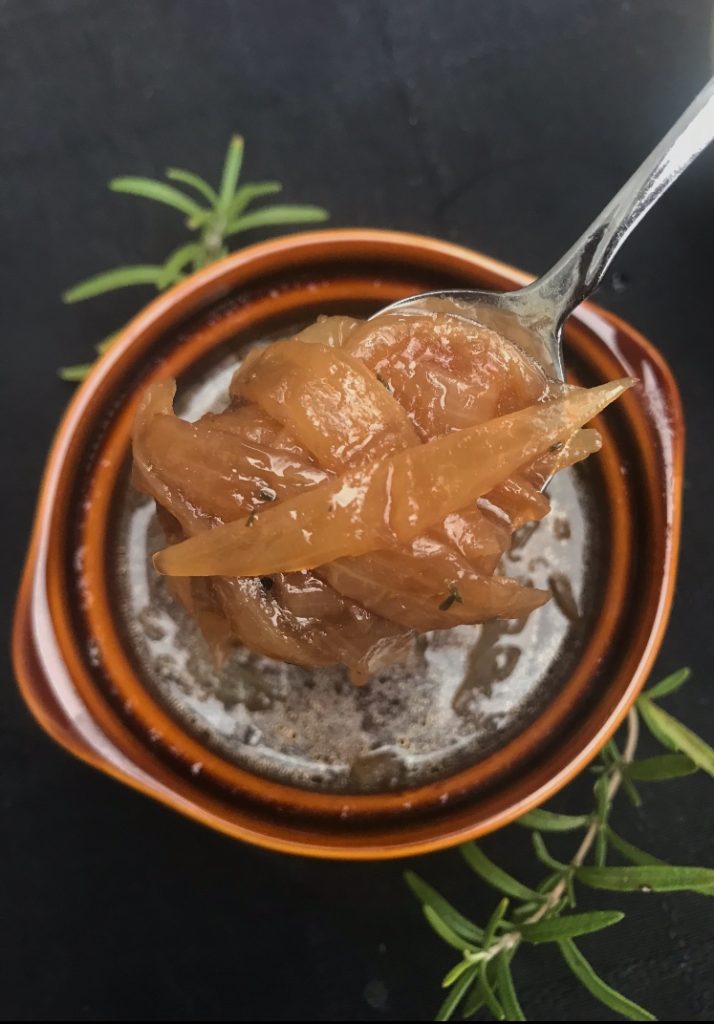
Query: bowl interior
x=461 y=694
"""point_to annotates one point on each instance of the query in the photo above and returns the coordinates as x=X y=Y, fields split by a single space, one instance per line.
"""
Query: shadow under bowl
x=481 y=724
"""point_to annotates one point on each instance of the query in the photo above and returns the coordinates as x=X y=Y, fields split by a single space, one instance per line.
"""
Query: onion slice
x=389 y=502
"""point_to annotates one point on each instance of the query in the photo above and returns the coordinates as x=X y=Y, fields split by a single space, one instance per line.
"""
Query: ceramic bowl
x=108 y=667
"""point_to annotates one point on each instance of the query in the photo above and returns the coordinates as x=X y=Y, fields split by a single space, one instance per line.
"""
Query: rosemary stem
x=511 y=939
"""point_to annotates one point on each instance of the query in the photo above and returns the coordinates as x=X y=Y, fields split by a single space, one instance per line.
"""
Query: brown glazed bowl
x=72 y=654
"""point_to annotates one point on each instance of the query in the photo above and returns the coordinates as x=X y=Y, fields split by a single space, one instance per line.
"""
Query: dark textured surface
x=502 y=124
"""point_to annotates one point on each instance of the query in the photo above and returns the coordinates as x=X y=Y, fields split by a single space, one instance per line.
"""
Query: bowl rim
x=111 y=649
x=125 y=351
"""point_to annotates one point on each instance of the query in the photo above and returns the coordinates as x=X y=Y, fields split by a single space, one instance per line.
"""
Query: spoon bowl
x=521 y=316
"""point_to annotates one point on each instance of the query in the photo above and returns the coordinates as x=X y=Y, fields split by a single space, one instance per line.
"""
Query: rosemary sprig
x=213 y=217
x=482 y=978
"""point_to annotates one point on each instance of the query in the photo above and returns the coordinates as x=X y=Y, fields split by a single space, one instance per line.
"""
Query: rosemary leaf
x=662 y=724
x=643 y=705
x=541 y=852
x=495 y=876
x=665 y=766
x=102 y=346
x=630 y=852
x=457 y=993
x=610 y=753
x=648 y=878
x=231 y=173
x=602 y=799
x=442 y=929
x=547 y=883
x=570 y=889
x=494 y=921
x=474 y=1001
x=449 y=915
x=480 y=994
x=271 y=216
x=81 y=371
x=159 y=191
x=597 y=987
x=75 y=373
x=175 y=263
x=194 y=181
x=629 y=788
x=549 y=821
x=110 y=280
x=668 y=685
x=248 y=192
x=525 y=910
x=553 y=929
x=642 y=858
x=456 y=971
x=489 y=996
x=506 y=990
x=200 y=219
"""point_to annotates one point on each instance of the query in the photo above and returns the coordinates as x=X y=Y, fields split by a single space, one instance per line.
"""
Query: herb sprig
x=214 y=216
x=482 y=979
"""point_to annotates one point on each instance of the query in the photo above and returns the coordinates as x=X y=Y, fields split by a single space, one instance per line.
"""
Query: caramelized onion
x=361 y=486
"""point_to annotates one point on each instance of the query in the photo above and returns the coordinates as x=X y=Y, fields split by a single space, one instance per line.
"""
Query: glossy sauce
x=459 y=694
x=360 y=488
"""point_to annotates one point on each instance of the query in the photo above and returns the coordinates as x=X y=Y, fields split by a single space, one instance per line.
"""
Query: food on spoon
x=361 y=486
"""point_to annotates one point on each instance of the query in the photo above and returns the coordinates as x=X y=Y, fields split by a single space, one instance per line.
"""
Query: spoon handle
x=581 y=269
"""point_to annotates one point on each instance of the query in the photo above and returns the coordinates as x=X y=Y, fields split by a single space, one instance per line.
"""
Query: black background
x=502 y=124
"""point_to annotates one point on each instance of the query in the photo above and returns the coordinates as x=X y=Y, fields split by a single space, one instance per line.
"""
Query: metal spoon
x=533 y=316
